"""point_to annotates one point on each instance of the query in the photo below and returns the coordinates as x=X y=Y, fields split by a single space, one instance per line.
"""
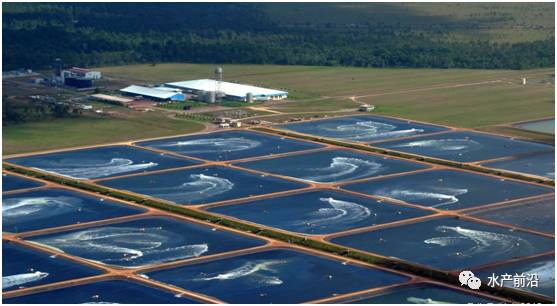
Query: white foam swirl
x=120 y=245
x=545 y=272
x=208 y=145
x=257 y=270
x=344 y=166
x=368 y=130
x=443 y=144
x=480 y=240
x=417 y=300
x=340 y=212
x=42 y=207
x=443 y=196
x=201 y=187
x=79 y=170
x=20 y=279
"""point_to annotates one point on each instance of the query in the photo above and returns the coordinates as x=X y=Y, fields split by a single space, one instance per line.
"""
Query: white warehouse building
x=231 y=91
x=155 y=93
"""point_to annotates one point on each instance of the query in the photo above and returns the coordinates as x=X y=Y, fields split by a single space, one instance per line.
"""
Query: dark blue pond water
x=146 y=241
x=229 y=145
x=114 y=291
x=56 y=207
x=12 y=182
x=332 y=166
x=102 y=162
x=537 y=164
x=202 y=185
x=542 y=267
x=420 y=294
x=319 y=212
x=447 y=189
x=23 y=267
x=537 y=215
x=276 y=276
x=465 y=146
x=448 y=243
x=362 y=128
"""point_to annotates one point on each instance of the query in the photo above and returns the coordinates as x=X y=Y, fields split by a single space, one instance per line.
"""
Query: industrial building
x=75 y=76
x=82 y=73
x=154 y=93
x=231 y=91
x=78 y=82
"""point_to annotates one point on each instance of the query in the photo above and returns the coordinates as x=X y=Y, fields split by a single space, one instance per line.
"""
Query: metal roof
x=173 y=89
x=229 y=89
x=149 y=92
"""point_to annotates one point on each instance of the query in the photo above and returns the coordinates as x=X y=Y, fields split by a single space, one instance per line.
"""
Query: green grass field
x=471 y=107
x=62 y=133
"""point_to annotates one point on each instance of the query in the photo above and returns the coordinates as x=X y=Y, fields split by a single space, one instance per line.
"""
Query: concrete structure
x=366 y=108
x=219 y=120
x=232 y=91
x=154 y=93
x=111 y=99
x=84 y=73
x=85 y=106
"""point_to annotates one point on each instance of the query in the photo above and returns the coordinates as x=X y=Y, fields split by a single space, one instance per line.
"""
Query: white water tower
x=218 y=83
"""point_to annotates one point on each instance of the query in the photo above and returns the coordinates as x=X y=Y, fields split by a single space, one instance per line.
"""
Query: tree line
x=96 y=34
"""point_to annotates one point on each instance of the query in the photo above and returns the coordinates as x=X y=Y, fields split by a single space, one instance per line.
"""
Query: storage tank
x=211 y=97
x=249 y=97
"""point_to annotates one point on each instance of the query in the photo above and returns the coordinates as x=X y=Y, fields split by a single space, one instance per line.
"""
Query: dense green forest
x=28 y=111
x=95 y=34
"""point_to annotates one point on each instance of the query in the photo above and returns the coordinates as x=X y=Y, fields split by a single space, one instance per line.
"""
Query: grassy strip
x=409 y=156
x=390 y=263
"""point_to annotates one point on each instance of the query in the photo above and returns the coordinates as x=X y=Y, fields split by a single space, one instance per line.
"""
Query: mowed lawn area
x=459 y=97
x=63 y=133
x=471 y=106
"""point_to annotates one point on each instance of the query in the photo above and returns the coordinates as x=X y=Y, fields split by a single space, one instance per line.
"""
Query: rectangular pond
x=537 y=215
x=448 y=243
x=362 y=128
x=13 y=182
x=318 y=212
x=105 y=292
x=146 y=241
x=420 y=294
x=542 y=267
x=39 y=209
x=23 y=267
x=332 y=166
x=229 y=145
x=202 y=185
x=536 y=164
x=101 y=162
x=448 y=189
x=465 y=146
x=275 y=276
x=540 y=126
